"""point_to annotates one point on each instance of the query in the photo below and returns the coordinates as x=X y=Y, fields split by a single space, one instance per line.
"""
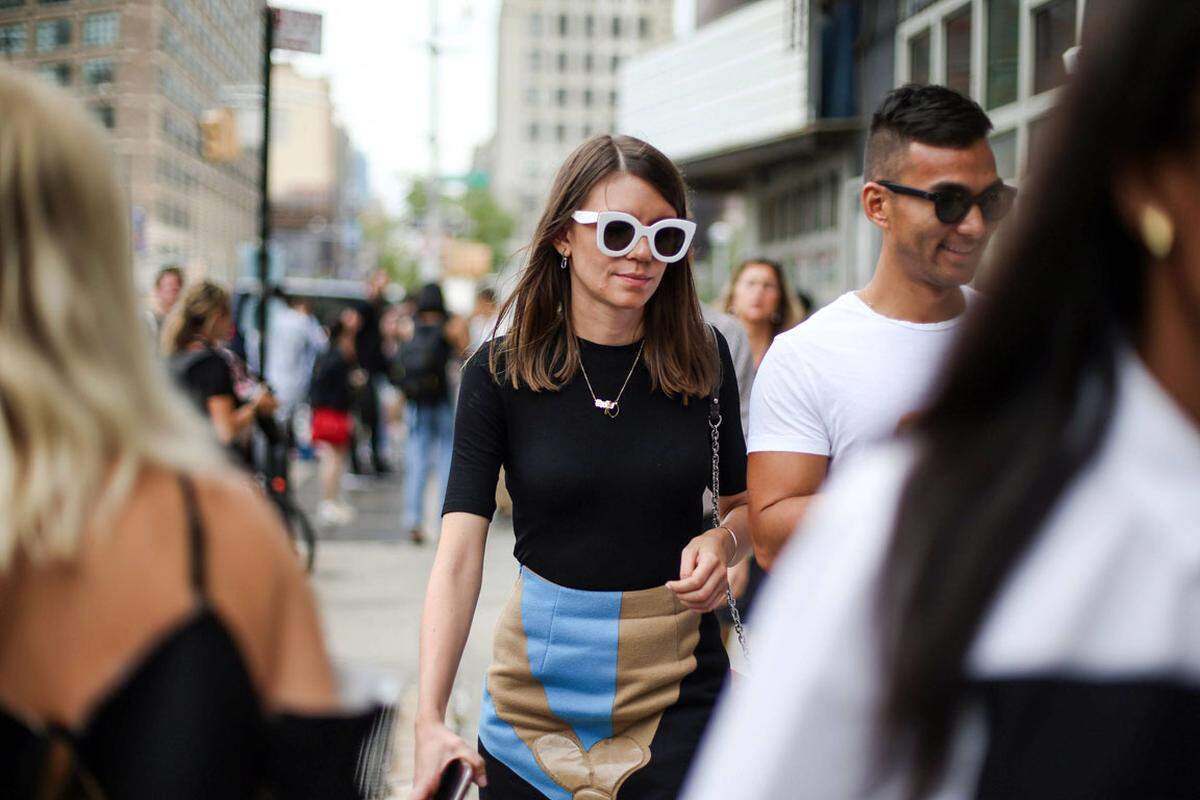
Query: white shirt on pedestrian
x=1107 y=595
x=844 y=378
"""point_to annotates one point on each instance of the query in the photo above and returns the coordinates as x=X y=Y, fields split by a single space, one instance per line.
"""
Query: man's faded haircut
x=932 y=115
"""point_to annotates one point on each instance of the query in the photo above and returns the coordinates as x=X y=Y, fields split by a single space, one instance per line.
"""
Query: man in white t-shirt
x=857 y=369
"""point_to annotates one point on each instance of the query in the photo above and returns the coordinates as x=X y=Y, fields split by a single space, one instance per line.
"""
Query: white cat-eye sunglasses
x=617 y=233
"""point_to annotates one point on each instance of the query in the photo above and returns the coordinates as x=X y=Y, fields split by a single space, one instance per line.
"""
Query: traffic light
x=218 y=130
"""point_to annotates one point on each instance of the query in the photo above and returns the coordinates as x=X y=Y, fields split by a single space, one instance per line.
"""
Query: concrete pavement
x=370 y=582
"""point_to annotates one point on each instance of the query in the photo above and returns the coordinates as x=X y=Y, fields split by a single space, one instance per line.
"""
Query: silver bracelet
x=735 y=540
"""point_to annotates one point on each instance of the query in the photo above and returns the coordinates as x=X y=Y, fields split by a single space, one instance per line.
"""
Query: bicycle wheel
x=303 y=535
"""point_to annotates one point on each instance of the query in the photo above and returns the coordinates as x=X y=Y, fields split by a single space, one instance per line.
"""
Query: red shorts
x=331 y=426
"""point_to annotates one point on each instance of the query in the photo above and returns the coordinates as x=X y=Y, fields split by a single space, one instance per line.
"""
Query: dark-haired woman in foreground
x=596 y=402
x=1007 y=604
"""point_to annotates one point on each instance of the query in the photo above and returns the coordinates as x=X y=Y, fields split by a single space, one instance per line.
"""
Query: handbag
x=714 y=427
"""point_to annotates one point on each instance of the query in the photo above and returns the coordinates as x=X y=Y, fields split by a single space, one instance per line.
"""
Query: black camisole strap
x=195 y=536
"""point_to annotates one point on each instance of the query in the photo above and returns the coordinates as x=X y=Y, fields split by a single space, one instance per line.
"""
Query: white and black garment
x=1084 y=680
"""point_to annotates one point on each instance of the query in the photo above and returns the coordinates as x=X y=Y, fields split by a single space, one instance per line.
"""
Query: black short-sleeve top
x=598 y=503
x=203 y=374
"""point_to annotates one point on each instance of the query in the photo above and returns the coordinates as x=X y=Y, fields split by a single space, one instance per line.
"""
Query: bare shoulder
x=250 y=564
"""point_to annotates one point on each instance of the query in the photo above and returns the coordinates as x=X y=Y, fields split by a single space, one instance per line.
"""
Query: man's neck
x=891 y=293
x=604 y=324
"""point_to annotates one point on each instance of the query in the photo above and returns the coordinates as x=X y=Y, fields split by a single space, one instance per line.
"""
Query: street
x=370 y=581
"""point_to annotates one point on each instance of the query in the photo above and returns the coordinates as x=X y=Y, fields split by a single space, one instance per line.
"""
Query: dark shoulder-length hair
x=540 y=350
x=1029 y=391
x=787 y=312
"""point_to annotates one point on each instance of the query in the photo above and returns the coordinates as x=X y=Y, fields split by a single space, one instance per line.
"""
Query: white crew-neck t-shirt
x=844 y=378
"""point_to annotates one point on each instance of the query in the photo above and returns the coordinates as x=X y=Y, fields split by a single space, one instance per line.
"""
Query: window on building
x=59 y=72
x=616 y=64
x=1004 y=148
x=644 y=27
x=560 y=133
x=534 y=131
x=587 y=131
x=535 y=24
x=918 y=58
x=106 y=114
x=588 y=97
x=589 y=26
x=589 y=62
x=958 y=51
x=53 y=34
x=1053 y=35
x=51 y=2
x=13 y=38
x=101 y=30
x=11 y=3
x=564 y=25
x=560 y=97
x=612 y=99
x=535 y=60
x=1003 y=49
x=531 y=96
x=98 y=71
x=616 y=27
x=562 y=61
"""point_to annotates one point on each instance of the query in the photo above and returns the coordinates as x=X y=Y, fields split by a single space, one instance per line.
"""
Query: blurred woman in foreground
x=1004 y=605
x=157 y=638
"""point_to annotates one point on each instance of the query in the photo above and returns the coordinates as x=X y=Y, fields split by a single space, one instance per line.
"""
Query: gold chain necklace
x=610 y=407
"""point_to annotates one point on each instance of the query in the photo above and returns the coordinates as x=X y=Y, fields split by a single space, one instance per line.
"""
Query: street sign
x=297 y=30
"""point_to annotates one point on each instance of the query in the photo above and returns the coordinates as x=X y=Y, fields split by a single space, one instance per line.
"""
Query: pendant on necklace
x=610 y=407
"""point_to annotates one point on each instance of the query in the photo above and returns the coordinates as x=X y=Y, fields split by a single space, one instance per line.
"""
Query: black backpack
x=422 y=373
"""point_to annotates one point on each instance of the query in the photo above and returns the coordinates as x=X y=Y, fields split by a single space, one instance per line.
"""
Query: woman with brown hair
x=597 y=404
x=758 y=295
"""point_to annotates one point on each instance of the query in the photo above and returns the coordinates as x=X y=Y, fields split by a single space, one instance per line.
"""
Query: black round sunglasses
x=952 y=204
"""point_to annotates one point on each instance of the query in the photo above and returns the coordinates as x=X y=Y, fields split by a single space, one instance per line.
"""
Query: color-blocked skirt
x=594 y=695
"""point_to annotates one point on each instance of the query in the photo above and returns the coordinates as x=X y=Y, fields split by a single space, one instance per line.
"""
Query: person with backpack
x=424 y=380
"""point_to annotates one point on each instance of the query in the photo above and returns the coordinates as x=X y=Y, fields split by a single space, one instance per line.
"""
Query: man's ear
x=875 y=204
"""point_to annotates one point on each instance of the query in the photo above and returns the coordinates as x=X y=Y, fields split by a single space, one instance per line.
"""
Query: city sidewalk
x=370 y=583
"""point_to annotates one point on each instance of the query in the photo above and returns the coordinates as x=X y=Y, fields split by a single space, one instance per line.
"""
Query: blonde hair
x=84 y=403
x=194 y=316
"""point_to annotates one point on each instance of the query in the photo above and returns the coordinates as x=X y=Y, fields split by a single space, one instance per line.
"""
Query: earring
x=1158 y=232
x=563 y=264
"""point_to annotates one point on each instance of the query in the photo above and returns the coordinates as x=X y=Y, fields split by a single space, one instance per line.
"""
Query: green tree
x=487 y=222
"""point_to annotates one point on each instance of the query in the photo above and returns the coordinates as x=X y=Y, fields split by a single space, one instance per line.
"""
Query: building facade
x=769 y=104
x=557 y=85
x=148 y=70
x=318 y=181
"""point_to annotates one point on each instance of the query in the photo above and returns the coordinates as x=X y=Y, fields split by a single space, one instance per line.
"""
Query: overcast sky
x=376 y=57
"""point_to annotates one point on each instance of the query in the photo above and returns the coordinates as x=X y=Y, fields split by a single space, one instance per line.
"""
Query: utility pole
x=264 y=207
x=431 y=266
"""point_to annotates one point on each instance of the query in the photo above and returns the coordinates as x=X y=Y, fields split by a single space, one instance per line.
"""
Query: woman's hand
x=702 y=572
x=436 y=747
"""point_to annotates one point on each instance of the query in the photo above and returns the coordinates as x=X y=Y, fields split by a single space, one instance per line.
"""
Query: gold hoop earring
x=1158 y=232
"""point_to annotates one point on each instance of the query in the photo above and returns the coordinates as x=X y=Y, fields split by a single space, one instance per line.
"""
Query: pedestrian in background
x=597 y=402
x=857 y=368
x=1002 y=605
x=484 y=317
x=194 y=336
x=157 y=636
x=758 y=297
x=337 y=380
x=425 y=361
x=369 y=347
x=168 y=283
x=804 y=304
x=296 y=340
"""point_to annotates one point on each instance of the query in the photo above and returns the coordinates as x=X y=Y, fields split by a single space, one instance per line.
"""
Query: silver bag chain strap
x=714 y=425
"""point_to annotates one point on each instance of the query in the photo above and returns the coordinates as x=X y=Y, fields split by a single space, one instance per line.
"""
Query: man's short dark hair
x=932 y=115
